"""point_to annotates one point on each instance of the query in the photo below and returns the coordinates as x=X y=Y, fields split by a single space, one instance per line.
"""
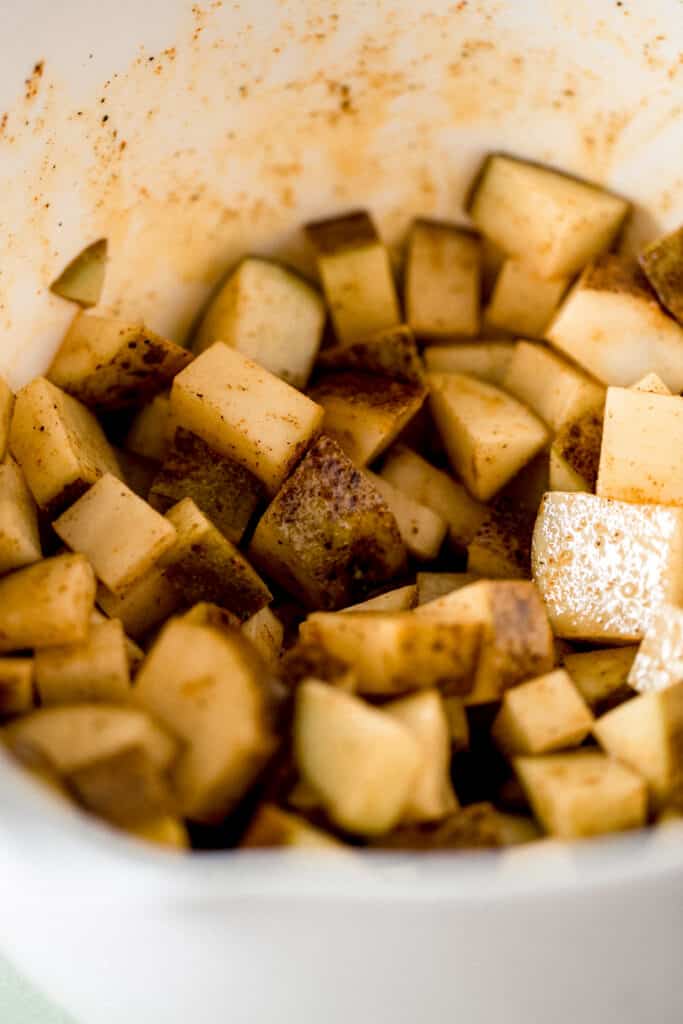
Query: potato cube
x=613 y=326
x=16 y=686
x=662 y=261
x=82 y=279
x=126 y=788
x=108 y=364
x=362 y=762
x=266 y=633
x=206 y=686
x=575 y=454
x=422 y=530
x=151 y=430
x=46 y=604
x=554 y=389
x=401 y=599
x=582 y=793
x=120 y=534
x=272 y=827
x=6 y=408
x=442 y=280
x=601 y=676
x=541 y=716
x=485 y=360
x=652 y=384
x=355 y=271
x=605 y=567
x=270 y=314
x=328 y=537
x=489 y=436
x=431 y=585
x=144 y=605
x=479 y=826
x=59 y=445
x=94 y=670
x=458 y=725
x=19 y=538
x=501 y=547
x=389 y=353
x=522 y=302
x=166 y=831
x=245 y=413
x=364 y=414
x=204 y=613
x=659 y=661
x=554 y=223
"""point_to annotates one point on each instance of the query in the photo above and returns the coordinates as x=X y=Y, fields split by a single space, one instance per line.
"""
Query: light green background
x=20 y=1003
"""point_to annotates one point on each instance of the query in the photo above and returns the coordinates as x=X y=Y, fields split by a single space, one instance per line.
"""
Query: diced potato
x=489 y=436
x=19 y=538
x=582 y=793
x=166 y=831
x=554 y=223
x=245 y=413
x=302 y=797
x=120 y=534
x=205 y=685
x=145 y=605
x=442 y=280
x=270 y=314
x=266 y=633
x=82 y=279
x=522 y=302
x=554 y=389
x=6 y=409
x=59 y=445
x=635 y=464
x=396 y=652
x=204 y=566
x=422 y=530
x=652 y=384
x=356 y=275
x=402 y=599
x=516 y=640
x=389 y=353
x=16 y=686
x=94 y=670
x=126 y=788
x=613 y=326
x=458 y=725
x=605 y=567
x=364 y=414
x=430 y=486
x=659 y=661
x=662 y=261
x=432 y=795
x=645 y=734
x=541 y=716
x=362 y=762
x=601 y=676
x=485 y=360
x=431 y=585
x=205 y=613
x=271 y=826
x=501 y=547
x=47 y=603
x=328 y=537
x=479 y=826
x=151 y=431
x=575 y=454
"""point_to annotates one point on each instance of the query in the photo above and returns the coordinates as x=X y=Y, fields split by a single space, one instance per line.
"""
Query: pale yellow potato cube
x=522 y=302
x=422 y=530
x=82 y=279
x=659 y=661
x=554 y=389
x=485 y=360
x=541 y=716
x=266 y=633
x=152 y=431
x=458 y=725
x=47 y=603
x=19 y=537
x=245 y=412
x=575 y=454
x=144 y=605
x=442 y=280
x=94 y=670
x=604 y=567
x=120 y=534
x=402 y=599
x=273 y=827
x=432 y=796
x=431 y=585
x=6 y=408
x=601 y=676
x=16 y=686
x=651 y=383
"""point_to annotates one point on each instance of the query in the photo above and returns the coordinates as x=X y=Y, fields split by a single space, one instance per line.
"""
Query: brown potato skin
x=524 y=640
x=126 y=790
x=354 y=230
x=391 y=353
x=662 y=262
x=578 y=443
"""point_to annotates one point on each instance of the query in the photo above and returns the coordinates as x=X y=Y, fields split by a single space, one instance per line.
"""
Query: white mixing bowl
x=188 y=136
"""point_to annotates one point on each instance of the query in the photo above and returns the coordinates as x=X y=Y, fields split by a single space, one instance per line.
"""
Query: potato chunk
x=422 y=530
x=126 y=788
x=442 y=280
x=662 y=261
x=266 y=633
x=659 y=661
x=401 y=599
x=613 y=326
x=6 y=409
x=431 y=585
x=166 y=831
x=605 y=567
x=245 y=413
x=582 y=793
x=501 y=547
x=390 y=353
x=94 y=670
x=46 y=604
x=328 y=537
x=59 y=445
x=601 y=676
x=522 y=302
x=120 y=534
x=19 y=538
x=489 y=436
x=575 y=454
x=541 y=716
x=82 y=279
x=272 y=827
x=16 y=686
x=554 y=223
x=554 y=389
x=362 y=762
x=485 y=360
x=151 y=431
x=478 y=826
x=356 y=275
x=652 y=384
x=144 y=605
x=205 y=685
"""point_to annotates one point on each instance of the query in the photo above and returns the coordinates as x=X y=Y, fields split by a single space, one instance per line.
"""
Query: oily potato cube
x=489 y=436
x=501 y=547
x=422 y=530
x=126 y=788
x=575 y=454
x=273 y=827
x=523 y=303
x=6 y=409
x=94 y=670
x=46 y=604
x=652 y=384
x=554 y=389
x=59 y=445
x=662 y=262
x=541 y=716
x=601 y=676
x=389 y=353
x=16 y=686
x=120 y=534
x=442 y=280
x=151 y=431
x=605 y=567
x=19 y=537
x=144 y=605
x=245 y=413
x=401 y=599
x=431 y=585
x=659 y=661
x=266 y=632
x=485 y=360
x=82 y=279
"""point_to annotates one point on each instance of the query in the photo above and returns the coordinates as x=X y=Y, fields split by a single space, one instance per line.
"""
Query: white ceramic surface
x=189 y=135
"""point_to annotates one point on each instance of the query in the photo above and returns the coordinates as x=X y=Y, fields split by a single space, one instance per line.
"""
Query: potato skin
x=662 y=262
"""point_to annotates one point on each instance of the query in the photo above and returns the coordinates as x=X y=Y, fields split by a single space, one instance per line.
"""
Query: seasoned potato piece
x=328 y=537
x=389 y=353
x=108 y=364
x=582 y=793
x=266 y=633
x=270 y=314
x=362 y=762
x=166 y=831
x=204 y=613
x=613 y=326
x=489 y=436
x=605 y=567
x=659 y=661
x=120 y=534
x=146 y=604
x=501 y=547
x=431 y=585
x=662 y=261
x=601 y=676
x=402 y=599
x=485 y=360
x=432 y=795
x=19 y=538
x=356 y=275
x=478 y=826
x=522 y=302
x=59 y=445
x=271 y=826
x=245 y=413
x=151 y=431
x=16 y=686
x=575 y=454
x=652 y=384
x=421 y=529
x=541 y=716
x=396 y=652
x=554 y=389
x=46 y=604
x=82 y=279
x=225 y=491
x=442 y=280
x=94 y=670
x=126 y=788
x=553 y=223
x=205 y=685
x=6 y=408
x=364 y=414
x=458 y=725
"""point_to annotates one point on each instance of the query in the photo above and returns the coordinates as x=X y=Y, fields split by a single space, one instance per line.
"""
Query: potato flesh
x=442 y=281
x=421 y=529
x=19 y=537
x=16 y=686
x=166 y=831
x=554 y=389
x=601 y=676
x=94 y=670
x=46 y=604
x=6 y=408
x=144 y=605
x=485 y=360
x=271 y=827
x=652 y=384
x=82 y=279
x=659 y=661
x=432 y=585
x=542 y=716
x=151 y=430
x=266 y=633
x=402 y=599
x=522 y=302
